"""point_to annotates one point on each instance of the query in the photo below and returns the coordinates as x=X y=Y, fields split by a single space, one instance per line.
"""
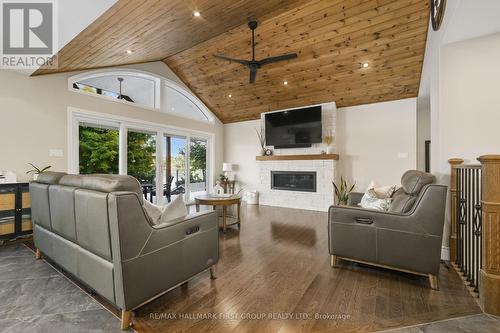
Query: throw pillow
x=371 y=201
x=382 y=191
x=153 y=211
x=174 y=210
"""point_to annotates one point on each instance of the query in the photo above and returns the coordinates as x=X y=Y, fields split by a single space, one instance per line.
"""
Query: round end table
x=224 y=201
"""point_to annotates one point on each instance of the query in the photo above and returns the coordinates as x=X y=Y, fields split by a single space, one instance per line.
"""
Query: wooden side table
x=214 y=201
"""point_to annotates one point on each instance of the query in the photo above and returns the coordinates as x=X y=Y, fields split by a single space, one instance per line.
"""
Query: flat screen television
x=296 y=128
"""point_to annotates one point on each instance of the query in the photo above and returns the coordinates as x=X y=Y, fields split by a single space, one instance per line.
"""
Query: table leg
x=224 y=218
x=239 y=215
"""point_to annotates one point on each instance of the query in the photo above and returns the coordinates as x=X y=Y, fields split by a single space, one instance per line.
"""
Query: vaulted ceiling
x=332 y=38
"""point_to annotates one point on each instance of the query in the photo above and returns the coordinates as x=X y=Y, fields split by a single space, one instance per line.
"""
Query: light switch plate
x=403 y=155
x=56 y=153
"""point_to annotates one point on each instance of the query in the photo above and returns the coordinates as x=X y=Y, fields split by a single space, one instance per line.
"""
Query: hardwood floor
x=278 y=265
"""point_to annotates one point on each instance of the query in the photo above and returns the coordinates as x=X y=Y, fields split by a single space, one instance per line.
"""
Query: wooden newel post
x=454 y=162
x=489 y=281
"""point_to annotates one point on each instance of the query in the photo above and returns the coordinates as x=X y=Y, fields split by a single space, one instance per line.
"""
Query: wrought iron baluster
x=462 y=217
x=468 y=224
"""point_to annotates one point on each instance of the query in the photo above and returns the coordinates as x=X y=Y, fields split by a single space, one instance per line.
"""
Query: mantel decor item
x=328 y=141
x=342 y=191
x=36 y=171
x=262 y=141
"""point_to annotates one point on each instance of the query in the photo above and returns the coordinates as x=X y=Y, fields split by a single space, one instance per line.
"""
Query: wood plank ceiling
x=333 y=38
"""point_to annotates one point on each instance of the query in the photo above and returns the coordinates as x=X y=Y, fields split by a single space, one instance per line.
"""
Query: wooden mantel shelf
x=298 y=157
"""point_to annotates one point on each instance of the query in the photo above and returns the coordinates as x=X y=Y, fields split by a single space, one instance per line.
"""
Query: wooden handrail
x=489 y=283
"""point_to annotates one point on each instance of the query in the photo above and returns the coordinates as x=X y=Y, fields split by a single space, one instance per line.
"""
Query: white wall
x=33 y=118
x=423 y=129
x=241 y=145
x=368 y=139
x=377 y=141
x=469 y=99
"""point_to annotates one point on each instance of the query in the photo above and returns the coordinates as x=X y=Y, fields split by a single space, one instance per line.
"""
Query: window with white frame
x=142 y=89
x=167 y=161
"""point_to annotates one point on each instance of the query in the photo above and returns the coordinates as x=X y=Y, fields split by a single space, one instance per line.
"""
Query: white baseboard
x=445 y=253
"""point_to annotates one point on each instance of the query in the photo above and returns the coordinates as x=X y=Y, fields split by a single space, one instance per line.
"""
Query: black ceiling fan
x=253 y=65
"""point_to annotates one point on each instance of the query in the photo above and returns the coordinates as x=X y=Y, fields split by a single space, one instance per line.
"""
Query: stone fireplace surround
x=325 y=173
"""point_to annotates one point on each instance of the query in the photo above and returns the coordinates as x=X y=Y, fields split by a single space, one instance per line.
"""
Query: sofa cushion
x=104 y=183
x=413 y=181
x=50 y=177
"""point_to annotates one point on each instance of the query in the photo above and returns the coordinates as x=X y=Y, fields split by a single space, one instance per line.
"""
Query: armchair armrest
x=355 y=198
x=374 y=219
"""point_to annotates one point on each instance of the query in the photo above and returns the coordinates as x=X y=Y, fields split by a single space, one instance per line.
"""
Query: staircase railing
x=475 y=227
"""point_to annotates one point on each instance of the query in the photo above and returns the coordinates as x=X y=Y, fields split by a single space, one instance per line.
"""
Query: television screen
x=294 y=128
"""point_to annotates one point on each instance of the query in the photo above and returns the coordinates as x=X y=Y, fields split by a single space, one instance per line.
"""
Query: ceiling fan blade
x=239 y=61
x=278 y=58
x=253 y=75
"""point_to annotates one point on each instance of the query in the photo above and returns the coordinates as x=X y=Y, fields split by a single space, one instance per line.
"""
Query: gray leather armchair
x=95 y=228
x=407 y=238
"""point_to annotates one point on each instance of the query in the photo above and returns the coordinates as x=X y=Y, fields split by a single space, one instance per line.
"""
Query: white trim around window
x=123 y=124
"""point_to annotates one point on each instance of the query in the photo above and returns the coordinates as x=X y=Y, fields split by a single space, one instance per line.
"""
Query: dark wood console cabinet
x=15 y=210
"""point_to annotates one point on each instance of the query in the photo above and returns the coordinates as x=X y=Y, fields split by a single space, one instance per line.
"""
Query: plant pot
x=328 y=149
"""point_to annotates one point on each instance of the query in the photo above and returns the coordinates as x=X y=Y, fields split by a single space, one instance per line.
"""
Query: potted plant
x=36 y=171
x=342 y=191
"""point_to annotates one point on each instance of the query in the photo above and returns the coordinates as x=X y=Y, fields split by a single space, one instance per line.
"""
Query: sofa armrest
x=167 y=234
x=186 y=218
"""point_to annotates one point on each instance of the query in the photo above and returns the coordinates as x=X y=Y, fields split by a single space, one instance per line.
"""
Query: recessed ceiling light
x=196 y=13
x=285 y=82
x=129 y=51
x=365 y=65
x=229 y=95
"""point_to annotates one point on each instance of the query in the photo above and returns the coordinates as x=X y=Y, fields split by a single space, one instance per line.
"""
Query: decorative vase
x=35 y=176
x=328 y=149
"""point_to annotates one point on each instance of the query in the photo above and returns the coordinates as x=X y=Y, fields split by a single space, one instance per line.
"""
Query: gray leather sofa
x=407 y=238
x=96 y=229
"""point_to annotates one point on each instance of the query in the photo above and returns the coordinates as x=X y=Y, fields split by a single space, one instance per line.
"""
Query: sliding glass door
x=197 y=166
x=174 y=166
x=98 y=148
x=167 y=163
